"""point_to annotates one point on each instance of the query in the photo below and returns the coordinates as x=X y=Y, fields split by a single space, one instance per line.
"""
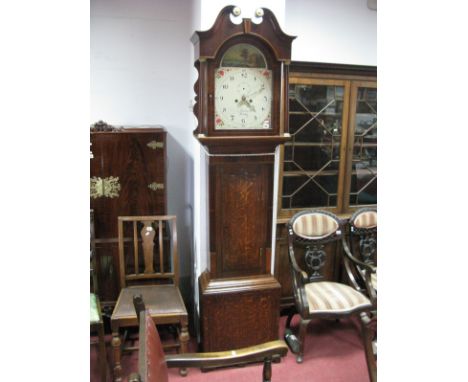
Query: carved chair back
x=148 y=250
x=363 y=235
x=361 y=259
x=313 y=231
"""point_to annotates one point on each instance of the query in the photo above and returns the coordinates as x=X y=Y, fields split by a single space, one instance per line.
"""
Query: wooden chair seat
x=164 y=303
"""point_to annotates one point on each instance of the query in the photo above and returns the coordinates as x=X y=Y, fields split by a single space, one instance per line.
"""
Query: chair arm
x=350 y=270
x=299 y=278
x=348 y=254
x=297 y=271
x=263 y=351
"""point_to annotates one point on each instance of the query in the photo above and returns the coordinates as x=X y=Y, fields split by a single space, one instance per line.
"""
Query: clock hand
x=256 y=92
x=246 y=103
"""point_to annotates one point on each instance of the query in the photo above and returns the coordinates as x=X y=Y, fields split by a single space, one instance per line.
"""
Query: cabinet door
x=361 y=179
x=243 y=204
x=138 y=175
x=313 y=161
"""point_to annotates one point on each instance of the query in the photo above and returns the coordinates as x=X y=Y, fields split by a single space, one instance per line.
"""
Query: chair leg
x=369 y=332
x=184 y=339
x=302 y=333
x=267 y=370
x=102 y=353
x=116 y=346
x=290 y=317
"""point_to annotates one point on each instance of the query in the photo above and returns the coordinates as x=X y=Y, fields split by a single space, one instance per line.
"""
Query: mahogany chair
x=148 y=265
x=96 y=322
x=361 y=267
x=316 y=295
x=153 y=364
x=361 y=253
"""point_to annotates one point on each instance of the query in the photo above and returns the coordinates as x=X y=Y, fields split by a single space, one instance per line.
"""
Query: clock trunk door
x=243 y=205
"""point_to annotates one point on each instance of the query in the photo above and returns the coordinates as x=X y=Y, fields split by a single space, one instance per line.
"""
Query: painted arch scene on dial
x=243 y=90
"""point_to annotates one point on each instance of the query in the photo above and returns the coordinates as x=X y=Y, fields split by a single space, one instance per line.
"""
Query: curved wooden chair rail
x=153 y=364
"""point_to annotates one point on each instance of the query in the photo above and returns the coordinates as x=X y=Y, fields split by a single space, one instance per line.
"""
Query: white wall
x=337 y=31
x=142 y=74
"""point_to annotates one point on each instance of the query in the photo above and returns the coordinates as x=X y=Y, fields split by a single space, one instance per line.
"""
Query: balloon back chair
x=361 y=254
x=361 y=266
x=316 y=295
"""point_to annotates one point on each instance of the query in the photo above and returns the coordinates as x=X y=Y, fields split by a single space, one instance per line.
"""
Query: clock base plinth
x=238 y=312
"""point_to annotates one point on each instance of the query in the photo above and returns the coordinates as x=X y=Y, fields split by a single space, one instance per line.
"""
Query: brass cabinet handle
x=156 y=186
x=155 y=145
x=104 y=187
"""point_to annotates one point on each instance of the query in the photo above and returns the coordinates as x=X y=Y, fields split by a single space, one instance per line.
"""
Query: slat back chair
x=148 y=265
x=96 y=321
x=151 y=261
x=361 y=252
x=153 y=364
x=315 y=294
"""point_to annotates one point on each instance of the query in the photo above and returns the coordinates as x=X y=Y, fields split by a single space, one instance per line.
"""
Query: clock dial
x=243 y=98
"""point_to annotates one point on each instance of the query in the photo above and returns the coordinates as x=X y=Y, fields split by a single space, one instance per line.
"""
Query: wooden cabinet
x=128 y=177
x=331 y=160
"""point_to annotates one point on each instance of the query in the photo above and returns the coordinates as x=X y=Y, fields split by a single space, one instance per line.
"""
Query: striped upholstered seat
x=332 y=297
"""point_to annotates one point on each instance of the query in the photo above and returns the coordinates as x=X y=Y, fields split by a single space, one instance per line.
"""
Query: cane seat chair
x=153 y=364
x=311 y=234
x=361 y=253
x=148 y=266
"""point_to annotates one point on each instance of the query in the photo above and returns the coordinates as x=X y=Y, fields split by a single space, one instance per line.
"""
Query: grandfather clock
x=241 y=107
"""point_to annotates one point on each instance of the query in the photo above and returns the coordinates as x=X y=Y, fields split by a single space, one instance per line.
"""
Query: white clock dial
x=243 y=98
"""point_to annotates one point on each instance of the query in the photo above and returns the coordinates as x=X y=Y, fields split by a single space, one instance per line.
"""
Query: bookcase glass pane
x=364 y=166
x=311 y=158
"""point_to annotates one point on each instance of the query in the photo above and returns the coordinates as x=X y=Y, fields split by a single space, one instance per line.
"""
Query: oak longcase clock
x=241 y=107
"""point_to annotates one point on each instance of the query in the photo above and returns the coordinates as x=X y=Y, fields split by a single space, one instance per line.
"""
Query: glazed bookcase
x=330 y=162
